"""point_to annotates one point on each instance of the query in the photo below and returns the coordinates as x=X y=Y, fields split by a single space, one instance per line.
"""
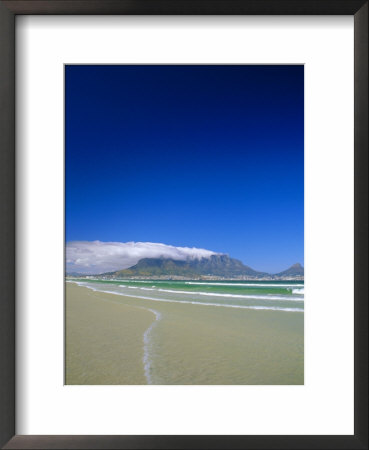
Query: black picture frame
x=8 y=11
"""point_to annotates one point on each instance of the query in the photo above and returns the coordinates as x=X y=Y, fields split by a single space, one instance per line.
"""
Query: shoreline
x=197 y=345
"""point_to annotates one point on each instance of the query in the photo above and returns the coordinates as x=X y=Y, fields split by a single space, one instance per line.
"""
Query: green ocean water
x=277 y=295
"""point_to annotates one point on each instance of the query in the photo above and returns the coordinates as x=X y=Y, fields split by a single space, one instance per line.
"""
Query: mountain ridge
x=219 y=266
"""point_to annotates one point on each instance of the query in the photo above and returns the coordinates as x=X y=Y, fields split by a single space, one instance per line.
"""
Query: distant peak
x=295 y=270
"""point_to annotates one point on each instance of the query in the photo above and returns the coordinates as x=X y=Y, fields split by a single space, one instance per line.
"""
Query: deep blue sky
x=198 y=156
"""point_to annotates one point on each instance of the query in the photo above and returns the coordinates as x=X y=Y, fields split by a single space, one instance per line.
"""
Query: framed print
x=184 y=224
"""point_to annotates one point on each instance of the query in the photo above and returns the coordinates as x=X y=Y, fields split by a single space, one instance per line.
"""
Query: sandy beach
x=104 y=343
x=113 y=339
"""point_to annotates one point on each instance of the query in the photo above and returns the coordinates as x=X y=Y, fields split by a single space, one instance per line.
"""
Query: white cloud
x=99 y=257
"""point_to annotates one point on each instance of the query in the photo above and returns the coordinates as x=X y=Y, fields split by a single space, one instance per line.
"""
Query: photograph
x=184 y=224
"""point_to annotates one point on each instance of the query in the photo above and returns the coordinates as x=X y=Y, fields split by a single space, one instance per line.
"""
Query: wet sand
x=113 y=339
x=104 y=339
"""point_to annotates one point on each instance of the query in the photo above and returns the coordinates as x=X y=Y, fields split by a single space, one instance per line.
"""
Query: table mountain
x=215 y=265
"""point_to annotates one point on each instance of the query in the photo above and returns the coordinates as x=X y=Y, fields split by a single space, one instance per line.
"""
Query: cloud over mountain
x=98 y=257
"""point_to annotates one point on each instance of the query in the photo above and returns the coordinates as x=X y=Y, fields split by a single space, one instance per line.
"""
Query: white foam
x=273 y=308
x=298 y=291
x=287 y=298
x=242 y=296
x=147 y=360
